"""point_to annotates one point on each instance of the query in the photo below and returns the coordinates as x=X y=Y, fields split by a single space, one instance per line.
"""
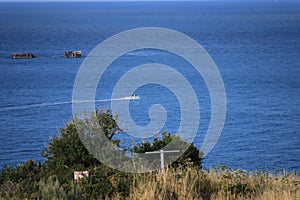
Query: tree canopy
x=68 y=151
x=190 y=156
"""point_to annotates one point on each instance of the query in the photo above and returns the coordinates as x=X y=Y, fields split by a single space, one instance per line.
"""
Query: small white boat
x=133 y=97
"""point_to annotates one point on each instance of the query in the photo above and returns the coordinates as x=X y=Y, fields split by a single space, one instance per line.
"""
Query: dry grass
x=215 y=185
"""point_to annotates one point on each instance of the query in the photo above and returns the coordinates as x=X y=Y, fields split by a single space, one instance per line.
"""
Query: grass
x=215 y=184
x=176 y=183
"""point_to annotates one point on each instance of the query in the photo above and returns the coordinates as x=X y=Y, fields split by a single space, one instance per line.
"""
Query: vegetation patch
x=184 y=179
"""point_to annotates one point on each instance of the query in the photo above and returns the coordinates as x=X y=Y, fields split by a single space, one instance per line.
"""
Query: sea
x=254 y=44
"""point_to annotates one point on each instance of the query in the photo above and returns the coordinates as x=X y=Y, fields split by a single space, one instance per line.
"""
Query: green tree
x=66 y=151
x=21 y=182
x=190 y=156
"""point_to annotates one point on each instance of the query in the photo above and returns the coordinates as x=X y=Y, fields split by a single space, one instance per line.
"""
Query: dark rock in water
x=23 y=55
x=73 y=54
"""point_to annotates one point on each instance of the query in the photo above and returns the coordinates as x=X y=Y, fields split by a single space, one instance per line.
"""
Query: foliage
x=67 y=150
x=22 y=182
x=191 y=156
x=175 y=183
x=65 y=153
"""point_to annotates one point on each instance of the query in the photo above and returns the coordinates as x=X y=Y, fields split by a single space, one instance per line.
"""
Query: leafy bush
x=183 y=180
x=191 y=156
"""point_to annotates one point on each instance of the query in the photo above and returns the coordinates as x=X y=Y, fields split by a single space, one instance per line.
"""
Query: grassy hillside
x=30 y=181
x=216 y=184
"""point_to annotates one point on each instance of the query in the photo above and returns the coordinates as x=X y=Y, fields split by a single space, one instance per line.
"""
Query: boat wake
x=21 y=107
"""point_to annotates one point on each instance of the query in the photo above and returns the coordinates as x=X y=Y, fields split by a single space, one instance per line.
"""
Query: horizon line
x=70 y=1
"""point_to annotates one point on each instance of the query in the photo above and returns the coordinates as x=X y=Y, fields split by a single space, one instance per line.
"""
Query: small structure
x=162 y=157
x=22 y=55
x=80 y=174
x=73 y=54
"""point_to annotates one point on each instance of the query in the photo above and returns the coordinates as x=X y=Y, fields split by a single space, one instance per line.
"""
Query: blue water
x=256 y=46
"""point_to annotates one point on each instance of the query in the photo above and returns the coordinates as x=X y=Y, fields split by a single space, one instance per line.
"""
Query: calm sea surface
x=256 y=47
